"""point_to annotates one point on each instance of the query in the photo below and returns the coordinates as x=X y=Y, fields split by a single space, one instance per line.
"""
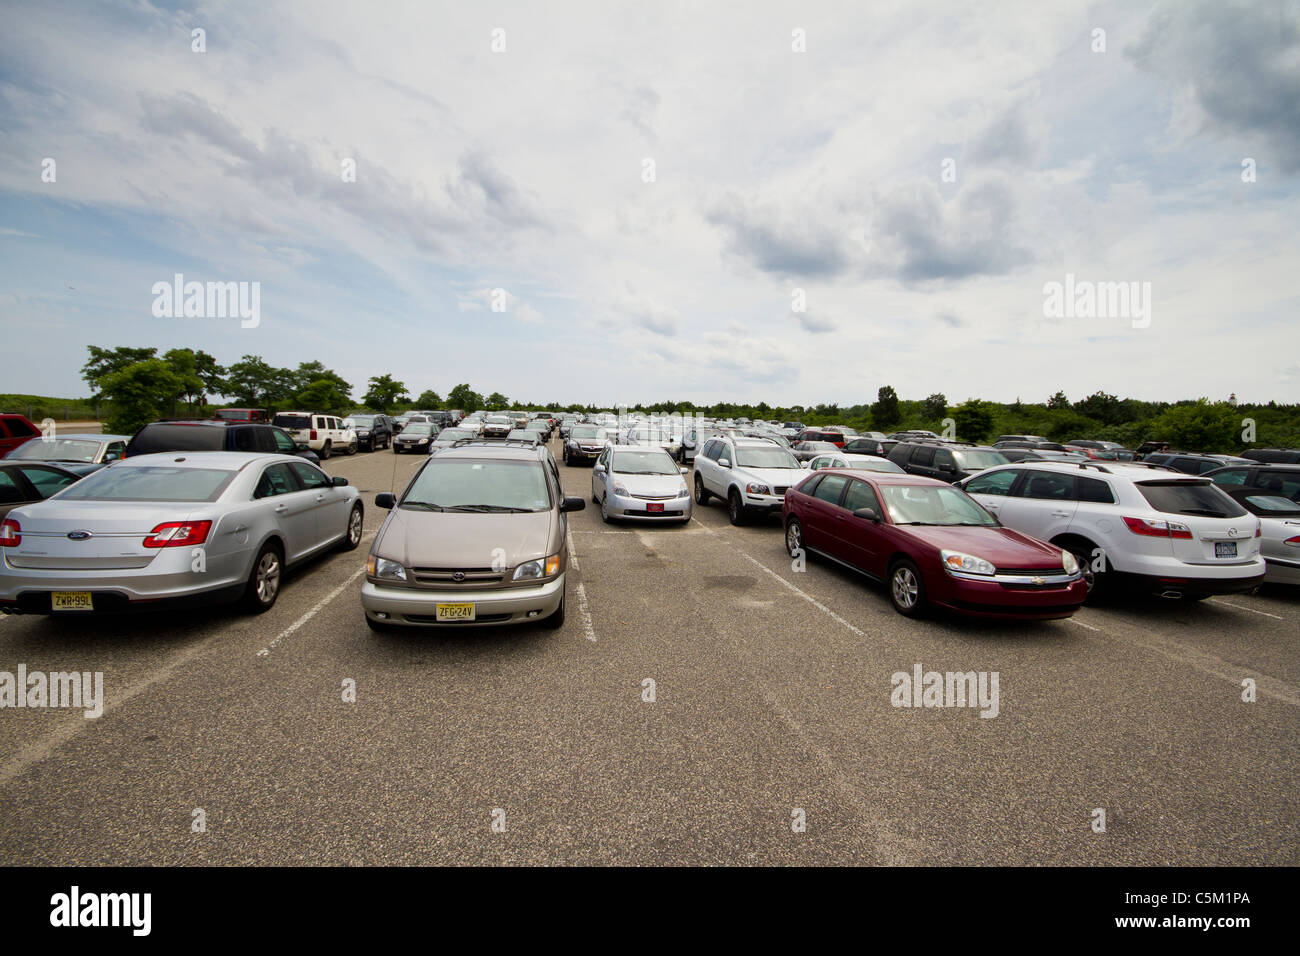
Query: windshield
x=57 y=449
x=588 y=431
x=978 y=460
x=359 y=421
x=152 y=483
x=927 y=505
x=497 y=486
x=234 y=414
x=454 y=434
x=1201 y=498
x=499 y=420
x=644 y=463
x=764 y=456
x=417 y=428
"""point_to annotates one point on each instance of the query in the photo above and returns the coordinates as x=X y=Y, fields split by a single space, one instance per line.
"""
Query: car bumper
x=764 y=504
x=410 y=607
x=1280 y=571
x=410 y=446
x=1015 y=597
x=1174 y=575
x=638 y=509
x=583 y=454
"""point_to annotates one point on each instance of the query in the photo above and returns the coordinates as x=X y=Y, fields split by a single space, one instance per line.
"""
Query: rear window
x=979 y=460
x=1201 y=498
x=152 y=483
x=292 y=421
x=19 y=428
x=163 y=437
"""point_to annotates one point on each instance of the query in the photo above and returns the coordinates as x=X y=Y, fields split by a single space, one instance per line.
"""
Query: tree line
x=140 y=386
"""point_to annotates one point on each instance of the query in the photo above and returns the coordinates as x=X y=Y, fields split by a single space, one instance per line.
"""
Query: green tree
x=496 y=402
x=885 y=414
x=254 y=383
x=184 y=364
x=1200 y=426
x=974 y=419
x=384 y=393
x=142 y=392
x=308 y=374
x=934 y=406
x=464 y=398
x=324 y=395
x=104 y=362
x=429 y=399
x=1058 y=401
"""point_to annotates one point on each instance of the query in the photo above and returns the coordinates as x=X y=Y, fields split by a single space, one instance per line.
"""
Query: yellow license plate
x=71 y=601
x=455 y=612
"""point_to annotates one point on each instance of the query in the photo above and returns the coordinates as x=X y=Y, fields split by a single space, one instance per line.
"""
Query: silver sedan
x=174 y=528
x=641 y=484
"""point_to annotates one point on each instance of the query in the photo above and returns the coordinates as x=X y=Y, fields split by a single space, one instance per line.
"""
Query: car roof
x=90 y=436
x=517 y=451
x=892 y=478
x=1120 y=469
x=226 y=460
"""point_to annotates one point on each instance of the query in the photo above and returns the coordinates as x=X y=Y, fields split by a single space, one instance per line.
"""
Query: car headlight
x=960 y=561
x=364 y=432
x=683 y=491
x=620 y=489
x=424 y=441
x=383 y=568
x=536 y=570
x=1069 y=562
x=754 y=488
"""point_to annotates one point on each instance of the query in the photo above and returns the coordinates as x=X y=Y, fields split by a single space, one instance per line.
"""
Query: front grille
x=780 y=489
x=476 y=579
x=655 y=497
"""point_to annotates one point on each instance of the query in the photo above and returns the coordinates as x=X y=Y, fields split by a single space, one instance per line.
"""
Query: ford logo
x=78 y=535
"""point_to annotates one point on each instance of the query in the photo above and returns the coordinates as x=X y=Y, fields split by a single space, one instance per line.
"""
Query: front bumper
x=763 y=504
x=638 y=509
x=1018 y=596
x=417 y=607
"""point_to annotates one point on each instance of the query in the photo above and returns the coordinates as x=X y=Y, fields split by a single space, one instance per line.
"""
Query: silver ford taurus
x=174 y=528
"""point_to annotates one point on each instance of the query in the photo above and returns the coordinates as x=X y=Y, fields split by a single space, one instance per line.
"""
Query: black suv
x=866 y=446
x=215 y=436
x=1262 y=478
x=947 y=461
x=1190 y=463
x=373 y=431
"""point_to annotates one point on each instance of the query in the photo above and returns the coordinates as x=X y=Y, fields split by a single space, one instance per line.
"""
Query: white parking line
x=1075 y=620
x=313 y=612
x=584 y=609
x=1241 y=607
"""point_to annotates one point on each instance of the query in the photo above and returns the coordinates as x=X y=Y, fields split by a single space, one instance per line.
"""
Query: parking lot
x=771 y=695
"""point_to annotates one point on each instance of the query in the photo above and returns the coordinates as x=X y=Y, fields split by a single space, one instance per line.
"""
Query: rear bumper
x=114 y=601
x=1158 y=584
x=410 y=607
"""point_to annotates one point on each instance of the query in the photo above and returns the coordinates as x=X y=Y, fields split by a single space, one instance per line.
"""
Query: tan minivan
x=477 y=537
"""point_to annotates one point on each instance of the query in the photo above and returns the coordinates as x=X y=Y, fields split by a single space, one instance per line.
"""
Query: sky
x=786 y=202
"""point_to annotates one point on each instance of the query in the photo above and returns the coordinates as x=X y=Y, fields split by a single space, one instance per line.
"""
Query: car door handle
x=1060 y=514
x=320 y=497
x=239 y=530
x=281 y=509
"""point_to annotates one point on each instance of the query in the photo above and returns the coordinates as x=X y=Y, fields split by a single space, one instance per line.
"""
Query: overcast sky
x=775 y=169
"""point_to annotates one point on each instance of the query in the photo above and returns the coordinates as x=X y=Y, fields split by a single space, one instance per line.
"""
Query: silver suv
x=750 y=474
x=1176 y=535
x=477 y=537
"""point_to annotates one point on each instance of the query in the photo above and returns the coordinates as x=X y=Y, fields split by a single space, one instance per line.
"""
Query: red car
x=819 y=434
x=15 y=429
x=933 y=544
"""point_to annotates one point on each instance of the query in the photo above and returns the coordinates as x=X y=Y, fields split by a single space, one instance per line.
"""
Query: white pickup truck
x=750 y=474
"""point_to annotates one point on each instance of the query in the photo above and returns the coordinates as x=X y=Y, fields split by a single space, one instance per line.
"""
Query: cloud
x=1241 y=63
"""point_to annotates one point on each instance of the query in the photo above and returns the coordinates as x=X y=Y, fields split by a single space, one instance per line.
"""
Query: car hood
x=1002 y=546
x=774 y=476
x=441 y=539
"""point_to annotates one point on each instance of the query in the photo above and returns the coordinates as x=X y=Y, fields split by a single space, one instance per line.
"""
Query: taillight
x=10 y=534
x=178 y=534
x=1293 y=542
x=1158 y=528
x=313 y=434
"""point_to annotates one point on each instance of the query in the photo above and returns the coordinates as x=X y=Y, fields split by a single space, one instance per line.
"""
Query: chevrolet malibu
x=932 y=544
x=477 y=537
x=174 y=529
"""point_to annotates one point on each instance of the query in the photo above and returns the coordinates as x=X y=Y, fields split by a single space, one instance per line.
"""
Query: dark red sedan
x=932 y=544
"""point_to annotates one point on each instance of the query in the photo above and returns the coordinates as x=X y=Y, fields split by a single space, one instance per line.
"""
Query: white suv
x=750 y=474
x=1176 y=535
x=324 y=434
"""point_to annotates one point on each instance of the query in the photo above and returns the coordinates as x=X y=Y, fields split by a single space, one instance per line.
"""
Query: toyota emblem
x=458 y=576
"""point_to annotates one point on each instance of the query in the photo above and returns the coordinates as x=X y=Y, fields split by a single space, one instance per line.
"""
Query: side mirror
x=947 y=467
x=111 y=456
x=805 y=465
x=598 y=467
x=683 y=470
x=340 y=481
x=385 y=499
x=867 y=514
x=724 y=462
x=573 y=503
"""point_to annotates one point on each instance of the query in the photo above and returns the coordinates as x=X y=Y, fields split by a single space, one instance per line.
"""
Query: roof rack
x=496 y=443
x=925 y=440
x=1083 y=465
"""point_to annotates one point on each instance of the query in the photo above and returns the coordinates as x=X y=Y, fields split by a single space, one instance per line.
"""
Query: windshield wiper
x=1204 y=512
x=928 y=524
x=422 y=505
x=504 y=509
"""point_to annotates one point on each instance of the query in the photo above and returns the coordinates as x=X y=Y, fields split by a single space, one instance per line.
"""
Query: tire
x=566 y=458
x=736 y=508
x=907 y=588
x=325 y=451
x=555 y=621
x=352 y=448
x=1098 y=583
x=604 y=511
x=702 y=495
x=352 y=535
x=794 y=537
x=264 y=580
